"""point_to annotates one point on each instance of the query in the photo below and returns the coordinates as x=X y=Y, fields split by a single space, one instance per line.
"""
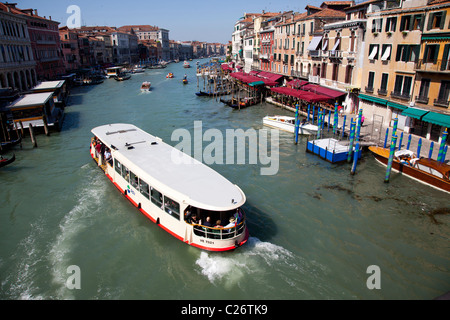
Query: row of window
x=12 y=29
x=157 y=198
x=411 y=22
x=408 y=52
x=403 y=85
x=11 y=53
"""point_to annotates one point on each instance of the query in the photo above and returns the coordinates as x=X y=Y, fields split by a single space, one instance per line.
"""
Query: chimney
x=35 y=12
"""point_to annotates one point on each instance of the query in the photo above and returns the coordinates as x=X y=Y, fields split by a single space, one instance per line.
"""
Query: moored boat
x=287 y=123
x=170 y=188
x=424 y=170
x=4 y=162
x=122 y=76
x=145 y=87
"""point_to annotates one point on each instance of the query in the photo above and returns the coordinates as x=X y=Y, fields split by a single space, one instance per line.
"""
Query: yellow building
x=405 y=75
x=432 y=82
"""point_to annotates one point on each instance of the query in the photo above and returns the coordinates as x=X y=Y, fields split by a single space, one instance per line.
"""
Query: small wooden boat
x=424 y=170
x=287 y=123
x=6 y=145
x=145 y=87
x=4 y=162
x=211 y=93
x=169 y=75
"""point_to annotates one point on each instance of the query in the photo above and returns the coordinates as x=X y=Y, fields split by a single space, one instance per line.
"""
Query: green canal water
x=315 y=229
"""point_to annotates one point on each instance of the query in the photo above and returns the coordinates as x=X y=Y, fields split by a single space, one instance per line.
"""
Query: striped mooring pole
x=352 y=139
x=391 y=158
x=441 y=155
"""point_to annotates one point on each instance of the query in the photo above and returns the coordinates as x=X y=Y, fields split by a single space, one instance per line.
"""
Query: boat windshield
x=216 y=224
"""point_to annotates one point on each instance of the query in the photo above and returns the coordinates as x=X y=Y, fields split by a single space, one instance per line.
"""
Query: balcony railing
x=369 y=89
x=433 y=66
x=422 y=99
x=400 y=95
x=441 y=102
x=314 y=79
x=382 y=92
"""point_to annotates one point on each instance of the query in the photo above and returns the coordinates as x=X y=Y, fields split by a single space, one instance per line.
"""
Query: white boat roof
x=31 y=100
x=194 y=182
x=113 y=68
x=49 y=85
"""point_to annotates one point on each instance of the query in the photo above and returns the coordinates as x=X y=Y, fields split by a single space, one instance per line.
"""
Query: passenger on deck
x=208 y=223
x=218 y=224
x=193 y=219
x=108 y=157
x=232 y=223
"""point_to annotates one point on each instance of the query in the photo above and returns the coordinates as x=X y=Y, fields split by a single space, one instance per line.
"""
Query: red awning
x=270 y=76
x=296 y=83
x=226 y=67
x=301 y=94
x=247 y=78
x=315 y=88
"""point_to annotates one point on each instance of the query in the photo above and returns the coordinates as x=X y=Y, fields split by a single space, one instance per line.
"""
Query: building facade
x=17 y=64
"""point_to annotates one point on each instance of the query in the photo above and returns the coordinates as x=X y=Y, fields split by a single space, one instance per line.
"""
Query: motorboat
x=169 y=75
x=145 y=87
x=287 y=123
x=425 y=170
x=186 y=64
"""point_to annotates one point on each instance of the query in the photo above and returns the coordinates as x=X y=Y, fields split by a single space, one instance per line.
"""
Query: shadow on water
x=259 y=223
x=71 y=121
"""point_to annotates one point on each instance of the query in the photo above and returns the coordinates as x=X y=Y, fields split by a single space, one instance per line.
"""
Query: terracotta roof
x=24 y=12
x=326 y=12
x=337 y=3
x=136 y=28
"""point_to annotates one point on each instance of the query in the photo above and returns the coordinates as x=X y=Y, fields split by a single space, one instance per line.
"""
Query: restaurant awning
x=414 y=113
x=269 y=75
x=315 y=88
x=372 y=99
x=314 y=43
x=396 y=105
x=439 y=119
x=301 y=94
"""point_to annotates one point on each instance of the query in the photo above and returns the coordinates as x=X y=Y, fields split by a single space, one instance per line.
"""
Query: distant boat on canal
x=122 y=76
x=145 y=87
x=424 y=170
x=287 y=123
x=186 y=64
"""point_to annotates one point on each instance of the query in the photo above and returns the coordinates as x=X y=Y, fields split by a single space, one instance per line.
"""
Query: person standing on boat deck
x=108 y=156
x=208 y=222
x=218 y=224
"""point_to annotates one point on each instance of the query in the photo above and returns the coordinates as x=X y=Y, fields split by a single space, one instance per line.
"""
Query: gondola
x=4 y=162
x=6 y=145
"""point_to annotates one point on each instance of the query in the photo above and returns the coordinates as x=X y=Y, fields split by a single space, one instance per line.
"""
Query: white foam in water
x=72 y=223
x=231 y=269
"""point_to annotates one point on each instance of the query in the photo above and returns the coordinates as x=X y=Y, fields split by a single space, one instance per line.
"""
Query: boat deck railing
x=219 y=233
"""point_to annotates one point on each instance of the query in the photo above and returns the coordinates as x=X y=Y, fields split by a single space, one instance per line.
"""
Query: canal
x=316 y=231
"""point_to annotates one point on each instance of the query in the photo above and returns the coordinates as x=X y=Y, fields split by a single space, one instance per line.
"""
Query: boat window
x=118 y=167
x=125 y=173
x=156 y=197
x=134 y=180
x=143 y=187
x=172 y=207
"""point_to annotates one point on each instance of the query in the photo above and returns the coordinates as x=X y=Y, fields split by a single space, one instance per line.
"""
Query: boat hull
x=381 y=156
x=307 y=129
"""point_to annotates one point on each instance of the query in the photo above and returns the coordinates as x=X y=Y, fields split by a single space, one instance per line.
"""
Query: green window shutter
x=436 y=52
x=430 y=20
x=399 y=52
x=444 y=13
x=425 y=54
x=445 y=57
x=422 y=21
x=411 y=22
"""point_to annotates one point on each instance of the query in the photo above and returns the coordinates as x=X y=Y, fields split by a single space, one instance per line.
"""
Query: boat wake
x=73 y=223
x=253 y=258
